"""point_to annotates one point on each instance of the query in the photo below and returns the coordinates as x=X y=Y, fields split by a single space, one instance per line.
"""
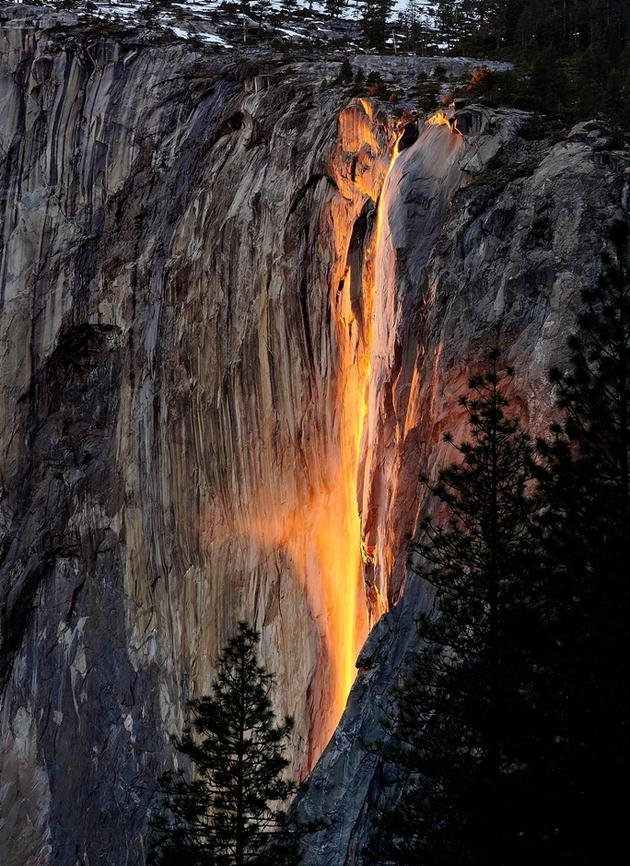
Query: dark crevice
x=313 y=180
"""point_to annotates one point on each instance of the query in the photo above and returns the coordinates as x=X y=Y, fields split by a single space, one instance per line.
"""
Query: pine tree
x=345 y=74
x=585 y=527
x=228 y=815
x=334 y=8
x=375 y=22
x=290 y=7
x=263 y=10
x=466 y=728
x=412 y=23
x=448 y=18
x=567 y=26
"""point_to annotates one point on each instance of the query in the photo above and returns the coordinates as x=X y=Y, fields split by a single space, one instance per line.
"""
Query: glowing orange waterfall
x=444 y=118
x=378 y=297
x=367 y=357
x=353 y=611
x=439 y=119
x=322 y=535
x=314 y=520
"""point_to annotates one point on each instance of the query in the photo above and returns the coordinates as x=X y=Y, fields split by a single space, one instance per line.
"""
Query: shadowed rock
x=184 y=277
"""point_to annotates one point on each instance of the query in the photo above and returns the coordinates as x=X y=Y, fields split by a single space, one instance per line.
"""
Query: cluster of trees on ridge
x=571 y=57
x=510 y=736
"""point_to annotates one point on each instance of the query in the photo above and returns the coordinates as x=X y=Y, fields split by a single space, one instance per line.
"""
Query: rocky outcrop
x=224 y=314
x=503 y=268
x=168 y=379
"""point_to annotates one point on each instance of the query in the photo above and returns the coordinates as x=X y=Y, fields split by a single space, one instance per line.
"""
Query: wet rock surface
x=188 y=246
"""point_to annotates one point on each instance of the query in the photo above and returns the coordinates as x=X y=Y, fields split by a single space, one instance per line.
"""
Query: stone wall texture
x=235 y=319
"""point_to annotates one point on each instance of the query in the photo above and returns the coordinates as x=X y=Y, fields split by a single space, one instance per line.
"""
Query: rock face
x=500 y=264
x=225 y=313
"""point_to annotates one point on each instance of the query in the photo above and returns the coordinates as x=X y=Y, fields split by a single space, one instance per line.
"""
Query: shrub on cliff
x=228 y=813
x=375 y=86
x=345 y=74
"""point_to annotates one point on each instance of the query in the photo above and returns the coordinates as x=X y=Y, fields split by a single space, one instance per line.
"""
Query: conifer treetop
x=230 y=813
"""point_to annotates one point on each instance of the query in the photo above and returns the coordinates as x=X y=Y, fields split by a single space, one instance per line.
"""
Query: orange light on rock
x=315 y=519
x=439 y=119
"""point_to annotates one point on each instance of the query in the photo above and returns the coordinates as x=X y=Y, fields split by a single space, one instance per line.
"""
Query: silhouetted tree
x=585 y=523
x=263 y=10
x=334 y=8
x=229 y=814
x=375 y=22
x=461 y=738
x=412 y=22
x=345 y=74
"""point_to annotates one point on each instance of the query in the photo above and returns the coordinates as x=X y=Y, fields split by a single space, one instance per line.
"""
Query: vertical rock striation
x=412 y=210
x=219 y=326
x=177 y=394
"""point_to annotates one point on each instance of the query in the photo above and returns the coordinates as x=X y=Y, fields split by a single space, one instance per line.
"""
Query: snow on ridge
x=199 y=20
x=213 y=39
x=129 y=8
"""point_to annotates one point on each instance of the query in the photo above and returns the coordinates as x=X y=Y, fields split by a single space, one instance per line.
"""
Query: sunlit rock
x=235 y=319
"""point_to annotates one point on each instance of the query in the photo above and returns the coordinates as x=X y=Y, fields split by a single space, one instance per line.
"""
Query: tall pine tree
x=375 y=22
x=229 y=814
x=462 y=736
x=585 y=523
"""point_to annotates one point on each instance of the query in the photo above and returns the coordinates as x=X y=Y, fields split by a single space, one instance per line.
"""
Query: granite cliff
x=236 y=312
